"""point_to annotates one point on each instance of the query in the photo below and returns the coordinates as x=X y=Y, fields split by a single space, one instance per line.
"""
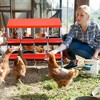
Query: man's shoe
x=70 y=65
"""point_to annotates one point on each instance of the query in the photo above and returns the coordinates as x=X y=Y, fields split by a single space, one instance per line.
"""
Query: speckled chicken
x=63 y=77
x=20 y=66
x=4 y=64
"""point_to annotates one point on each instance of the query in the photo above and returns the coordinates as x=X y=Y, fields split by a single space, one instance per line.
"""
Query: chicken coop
x=36 y=42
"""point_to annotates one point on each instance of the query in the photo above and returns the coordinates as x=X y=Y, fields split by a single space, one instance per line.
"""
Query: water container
x=91 y=67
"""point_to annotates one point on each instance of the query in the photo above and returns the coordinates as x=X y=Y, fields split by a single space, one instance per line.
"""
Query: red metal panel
x=55 y=40
x=13 y=56
x=27 y=41
x=34 y=23
x=41 y=40
x=33 y=56
x=13 y=41
x=58 y=56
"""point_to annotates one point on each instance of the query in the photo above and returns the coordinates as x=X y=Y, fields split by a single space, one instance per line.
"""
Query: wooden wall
x=78 y=3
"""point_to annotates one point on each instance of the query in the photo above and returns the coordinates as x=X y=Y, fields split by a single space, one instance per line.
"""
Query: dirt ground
x=34 y=75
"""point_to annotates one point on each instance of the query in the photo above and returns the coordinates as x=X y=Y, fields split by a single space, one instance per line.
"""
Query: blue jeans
x=81 y=49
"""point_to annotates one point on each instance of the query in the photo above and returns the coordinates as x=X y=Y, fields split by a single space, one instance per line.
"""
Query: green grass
x=81 y=86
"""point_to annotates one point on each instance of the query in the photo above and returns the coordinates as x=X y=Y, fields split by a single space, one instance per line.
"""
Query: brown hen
x=4 y=64
x=63 y=77
x=20 y=66
x=14 y=35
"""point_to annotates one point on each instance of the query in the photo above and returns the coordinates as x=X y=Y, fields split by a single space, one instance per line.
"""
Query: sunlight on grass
x=50 y=84
x=48 y=90
x=24 y=89
x=81 y=86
